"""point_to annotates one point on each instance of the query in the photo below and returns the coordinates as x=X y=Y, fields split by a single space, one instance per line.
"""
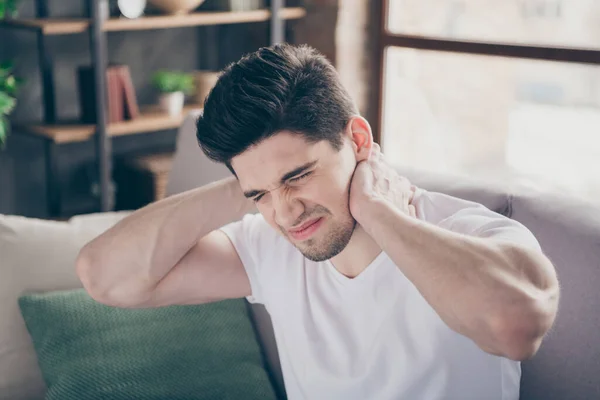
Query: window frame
x=385 y=39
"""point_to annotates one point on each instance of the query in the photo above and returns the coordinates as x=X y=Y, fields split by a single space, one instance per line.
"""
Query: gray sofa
x=566 y=367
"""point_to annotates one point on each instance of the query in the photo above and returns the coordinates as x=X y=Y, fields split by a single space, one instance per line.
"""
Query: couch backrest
x=568 y=363
x=35 y=255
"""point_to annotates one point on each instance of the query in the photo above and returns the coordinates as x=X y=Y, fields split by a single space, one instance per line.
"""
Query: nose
x=287 y=209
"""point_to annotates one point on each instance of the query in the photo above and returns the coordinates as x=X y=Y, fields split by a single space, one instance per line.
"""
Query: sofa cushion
x=567 y=365
x=87 y=350
x=35 y=255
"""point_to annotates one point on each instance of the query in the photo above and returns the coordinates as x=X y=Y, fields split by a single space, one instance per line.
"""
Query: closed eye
x=291 y=180
x=299 y=178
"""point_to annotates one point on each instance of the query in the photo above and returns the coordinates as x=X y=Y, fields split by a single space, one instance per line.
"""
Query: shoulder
x=441 y=209
x=470 y=218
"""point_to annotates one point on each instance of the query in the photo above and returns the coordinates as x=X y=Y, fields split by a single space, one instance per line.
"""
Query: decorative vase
x=176 y=7
x=172 y=103
x=131 y=9
x=245 y=5
x=235 y=5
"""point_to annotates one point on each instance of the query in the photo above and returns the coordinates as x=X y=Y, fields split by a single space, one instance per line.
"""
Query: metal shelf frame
x=98 y=49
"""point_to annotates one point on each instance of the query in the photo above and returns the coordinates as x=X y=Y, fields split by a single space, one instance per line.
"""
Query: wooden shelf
x=49 y=26
x=150 y=120
x=55 y=26
x=197 y=19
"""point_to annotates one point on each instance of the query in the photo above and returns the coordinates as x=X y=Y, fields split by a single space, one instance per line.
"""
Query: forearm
x=484 y=289
x=141 y=249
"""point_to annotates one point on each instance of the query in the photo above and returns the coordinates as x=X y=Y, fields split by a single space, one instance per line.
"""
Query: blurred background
x=506 y=91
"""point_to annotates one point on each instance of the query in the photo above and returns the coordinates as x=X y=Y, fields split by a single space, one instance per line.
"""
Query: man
x=377 y=289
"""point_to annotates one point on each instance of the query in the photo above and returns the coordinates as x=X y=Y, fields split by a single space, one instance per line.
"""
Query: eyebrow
x=296 y=171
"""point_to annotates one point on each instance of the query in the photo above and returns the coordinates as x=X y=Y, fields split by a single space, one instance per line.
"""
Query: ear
x=361 y=136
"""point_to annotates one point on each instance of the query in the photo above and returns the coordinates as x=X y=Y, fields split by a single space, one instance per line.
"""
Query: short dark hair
x=276 y=88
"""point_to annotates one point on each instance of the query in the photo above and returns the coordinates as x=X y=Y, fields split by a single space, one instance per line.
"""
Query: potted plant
x=173 y=87
x=8 y=8
x=8 y=90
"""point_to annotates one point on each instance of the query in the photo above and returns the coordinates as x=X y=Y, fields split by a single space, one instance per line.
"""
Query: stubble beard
x=330 y=243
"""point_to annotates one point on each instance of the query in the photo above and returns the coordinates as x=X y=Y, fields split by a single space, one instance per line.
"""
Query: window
x=513 y=106
x=574 y=23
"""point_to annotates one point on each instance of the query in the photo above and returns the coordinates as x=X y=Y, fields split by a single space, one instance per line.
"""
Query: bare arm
x=502 y=295
x=170 y=252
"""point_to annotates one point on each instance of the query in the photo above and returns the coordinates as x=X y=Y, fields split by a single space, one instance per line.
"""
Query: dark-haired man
x=376 y=289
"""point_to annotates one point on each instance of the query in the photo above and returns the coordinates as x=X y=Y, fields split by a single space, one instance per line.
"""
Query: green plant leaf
x=8 y=82
x=172 y=81
x=3 y=131
x=11 y=6
x=7 y=104
x=6 y=66
x=10 y=85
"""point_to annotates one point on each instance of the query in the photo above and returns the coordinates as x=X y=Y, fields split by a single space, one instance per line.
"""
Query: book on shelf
x=132 y=110
x=115 y=96
x=121 y=98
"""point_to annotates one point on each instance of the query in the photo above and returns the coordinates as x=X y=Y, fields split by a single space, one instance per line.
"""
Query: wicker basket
x=158 y=166
x=142 y=180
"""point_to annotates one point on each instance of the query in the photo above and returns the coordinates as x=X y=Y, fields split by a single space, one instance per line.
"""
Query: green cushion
x=87 y=350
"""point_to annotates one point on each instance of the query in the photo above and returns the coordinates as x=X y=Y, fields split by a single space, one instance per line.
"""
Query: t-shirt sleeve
x=474 y=219
x=249 y=237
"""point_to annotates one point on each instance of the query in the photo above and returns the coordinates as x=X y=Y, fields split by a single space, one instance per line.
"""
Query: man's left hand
x=374 y=180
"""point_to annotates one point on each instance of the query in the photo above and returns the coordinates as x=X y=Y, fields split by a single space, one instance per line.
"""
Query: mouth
x=306 y=230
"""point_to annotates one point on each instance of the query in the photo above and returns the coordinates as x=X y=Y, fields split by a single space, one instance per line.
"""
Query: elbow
x=522 y=350
x=519 y=328
x=514 y=341
x=103 y=286
x=88 y=271
x=84 y=268
x=519 y=336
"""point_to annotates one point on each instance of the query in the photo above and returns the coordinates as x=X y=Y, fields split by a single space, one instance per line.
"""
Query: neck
x=358 y=254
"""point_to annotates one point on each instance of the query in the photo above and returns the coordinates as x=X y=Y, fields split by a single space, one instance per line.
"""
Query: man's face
x=302 y=190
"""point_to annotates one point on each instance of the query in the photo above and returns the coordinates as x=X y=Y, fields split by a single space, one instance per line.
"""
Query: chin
x=328 y=244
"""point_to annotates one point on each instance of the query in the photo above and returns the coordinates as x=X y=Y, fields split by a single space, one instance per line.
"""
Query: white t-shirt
x=374 y=336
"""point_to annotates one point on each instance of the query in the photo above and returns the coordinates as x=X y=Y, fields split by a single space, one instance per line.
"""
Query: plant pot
x=175 y=7
x=172 y=103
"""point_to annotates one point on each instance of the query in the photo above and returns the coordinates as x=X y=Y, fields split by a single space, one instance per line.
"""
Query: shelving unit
x=150 y=120
x=57 y=26
x=57 y=133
